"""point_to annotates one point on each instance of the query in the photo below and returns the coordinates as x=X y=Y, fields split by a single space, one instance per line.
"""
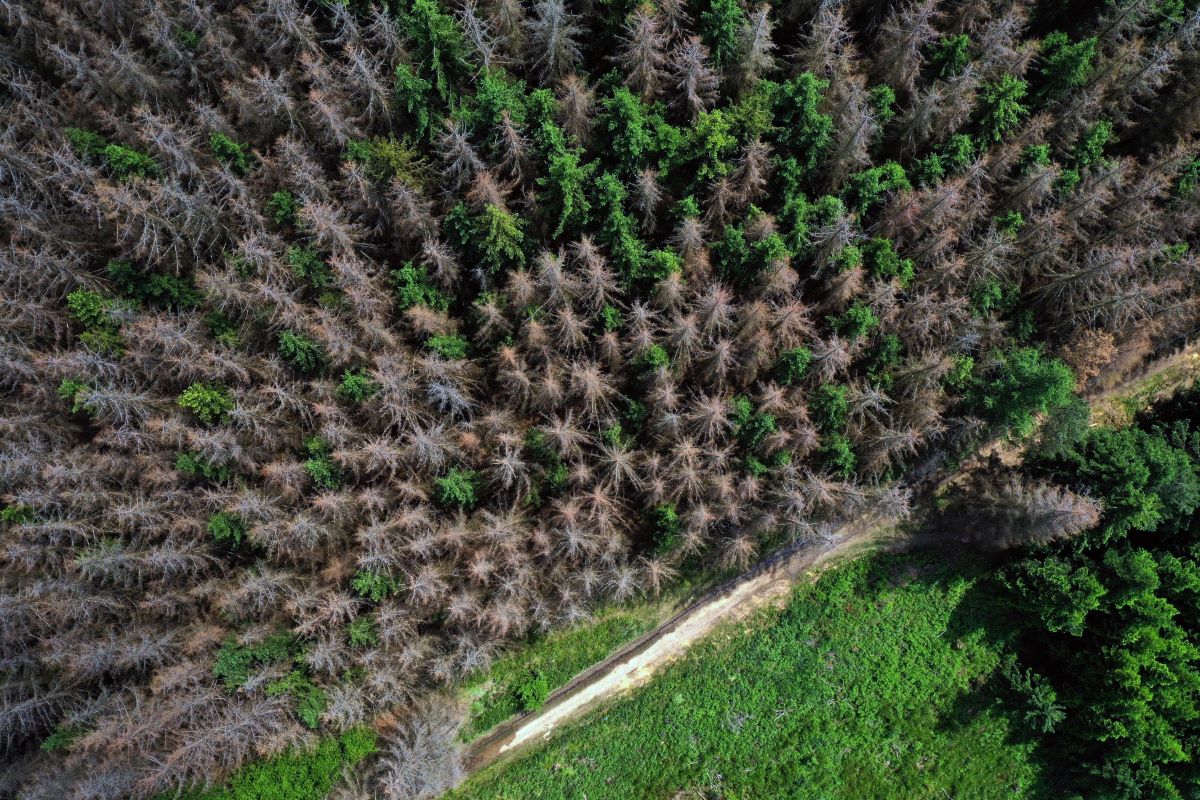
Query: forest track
x=770 y=582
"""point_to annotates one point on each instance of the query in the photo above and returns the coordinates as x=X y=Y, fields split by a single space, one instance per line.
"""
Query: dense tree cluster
x=1109 y=647
x=343 y=342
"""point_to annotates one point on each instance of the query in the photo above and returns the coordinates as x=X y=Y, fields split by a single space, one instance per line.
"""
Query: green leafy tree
x=386 y=157
x=450 y=346
x=667 y=527
x=439 y=47
x=1090 y=149
x=830 y=406
x=1063 y=64
x=320 y=466
x=301 y=352
x=307 y=265
x=1022 y=384
x=1000 y=107
x=865 y=189
x=627 y=250
x=226 y=527
x=208 y=402
x=415 y=95
x=792 y=365
x=856 y=322
x=414 y=288
x=951 y=55
x=837 y=455
x=882 y=261
x=362 y=632
x=457 y=488
x=356 y=387
x=563 y=186
x=707 y=149
x=626 y=121
x=804 y=132
x=721 y=29
x=283 y=207
x=230 y=153
x=502 y=239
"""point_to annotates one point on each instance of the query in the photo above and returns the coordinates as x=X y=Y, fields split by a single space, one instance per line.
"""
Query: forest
x=347 y=342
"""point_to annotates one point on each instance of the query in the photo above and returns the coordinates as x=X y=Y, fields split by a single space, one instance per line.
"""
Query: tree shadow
x=984 y=613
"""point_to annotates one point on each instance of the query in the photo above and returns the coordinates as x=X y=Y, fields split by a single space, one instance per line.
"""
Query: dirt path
x=770 y=582
x=633 y=665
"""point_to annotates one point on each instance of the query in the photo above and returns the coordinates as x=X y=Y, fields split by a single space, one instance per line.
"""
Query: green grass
x=871 y=684
x=558 y=657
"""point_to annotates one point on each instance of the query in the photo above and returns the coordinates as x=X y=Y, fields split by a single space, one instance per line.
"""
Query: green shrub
x=301 y=352
x=236 y=662
x=830 y=406
x=666 y=528
x=357 y=386
x=655 y=358
x=283 y=207
x=792 y=365
x=196 y=466
x=226 y=527
x=362 y=632
x=373 y=585
x=209 y=403
x=309 y=700
x=71 y=390
x=155 y=289
x=611 y=318
x=413 y=288
x=87 y=144
x=384 y=158
x=449 y=346
x=858 y=321
x=91 y=309
x=230 y=153
x=457 y=488
x=320 y=466
x=308 y=265
x=533 y=691
x=122 y=162
x=837 y=455
x=125 y=162
x=187 y=38
x=951 y=55
x=62 y=737
x=17 y=514
x=1009 y=222
x=223 y=329
x=961 y=375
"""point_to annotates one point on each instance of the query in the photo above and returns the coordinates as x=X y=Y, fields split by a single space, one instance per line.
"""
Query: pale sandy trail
x=636 y=663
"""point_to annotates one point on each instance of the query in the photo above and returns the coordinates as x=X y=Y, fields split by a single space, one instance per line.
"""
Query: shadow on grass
x=984 y=612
